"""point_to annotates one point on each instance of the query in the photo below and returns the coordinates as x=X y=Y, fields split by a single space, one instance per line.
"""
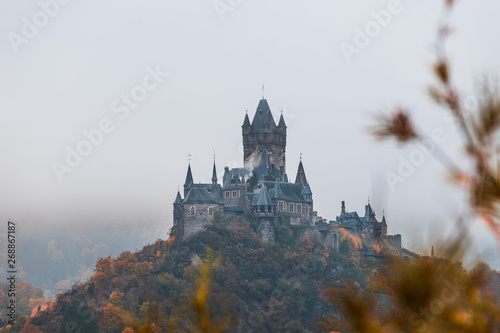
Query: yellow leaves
x=204 y=322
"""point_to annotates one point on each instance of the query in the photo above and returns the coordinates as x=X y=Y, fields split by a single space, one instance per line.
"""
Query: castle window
x=227 y=194
x=280 y=206
x=291 y=208
x=299 y=209
x=234 y=194
x=192 y=211
x=307 y=209
x=210 y=211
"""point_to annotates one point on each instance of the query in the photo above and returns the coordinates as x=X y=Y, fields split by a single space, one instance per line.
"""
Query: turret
x=189 y=181
x=246 y=127
x=281 y=124
x=177 y=207
x=214 y=175
x=301 y=174
x=263 y=204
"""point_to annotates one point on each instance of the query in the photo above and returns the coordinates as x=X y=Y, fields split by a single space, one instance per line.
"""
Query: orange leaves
x=104 y=265
x=171 y=240
x=344 y=234
x=306 y=242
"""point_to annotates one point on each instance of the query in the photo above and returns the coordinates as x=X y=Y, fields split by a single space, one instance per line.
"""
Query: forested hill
x=245 y=285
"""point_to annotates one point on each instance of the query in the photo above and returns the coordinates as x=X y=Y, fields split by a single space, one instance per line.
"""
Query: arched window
x=192 y=211
x=210 y=211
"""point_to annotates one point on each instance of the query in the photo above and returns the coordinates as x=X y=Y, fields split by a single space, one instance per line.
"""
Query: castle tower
x=262 y=134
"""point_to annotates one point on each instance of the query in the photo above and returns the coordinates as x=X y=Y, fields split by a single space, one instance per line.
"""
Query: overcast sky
x=70 y=73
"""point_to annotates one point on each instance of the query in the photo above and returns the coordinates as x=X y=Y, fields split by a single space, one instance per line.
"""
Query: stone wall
x=276 y=150
x=200 y=219
x=266 y=231
x=394 y=241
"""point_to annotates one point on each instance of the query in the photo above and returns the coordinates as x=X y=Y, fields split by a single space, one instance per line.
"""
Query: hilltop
x=255 y=286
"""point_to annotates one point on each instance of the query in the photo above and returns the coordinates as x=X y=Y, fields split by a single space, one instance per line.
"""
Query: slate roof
x=214 y=174
x=246 y=122
x=189 y=177
x=301 y=175
x=232 y=177
x=263 y=198
x=263 y=121
x=346 y=217
x=282 y=121
x=277 y=193
x=266 y=169
x=290 y=191
x=284 y=178
x=203 y=194
x=178 y=198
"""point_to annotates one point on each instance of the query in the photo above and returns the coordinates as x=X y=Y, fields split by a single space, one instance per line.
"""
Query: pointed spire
x=246 y=122
x=263 y=198
x=301 y=175
x=214 y=174
x=384 y=223
x=189 y=177
x=263 y=119
x=178 y=198
x=264 y=168
x=282 y=120
x=284 y=178
x=263 y=91
x=277 y=192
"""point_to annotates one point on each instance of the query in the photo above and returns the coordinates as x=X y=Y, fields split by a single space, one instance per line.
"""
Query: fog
x=70 y=74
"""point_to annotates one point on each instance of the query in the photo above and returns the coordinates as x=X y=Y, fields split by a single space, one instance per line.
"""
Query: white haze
x=66 y=78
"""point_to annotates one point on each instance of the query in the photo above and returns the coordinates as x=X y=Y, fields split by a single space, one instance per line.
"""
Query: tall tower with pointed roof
x=263 y=134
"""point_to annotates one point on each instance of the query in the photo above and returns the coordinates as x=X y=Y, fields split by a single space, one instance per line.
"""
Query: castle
x=262 y=187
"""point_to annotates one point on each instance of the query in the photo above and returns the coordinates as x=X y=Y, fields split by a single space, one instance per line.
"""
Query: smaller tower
x=189 y=181
x=343 y=208
x=246 y=127
x=177 y=208
x=265 y=210
x=383 y=226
